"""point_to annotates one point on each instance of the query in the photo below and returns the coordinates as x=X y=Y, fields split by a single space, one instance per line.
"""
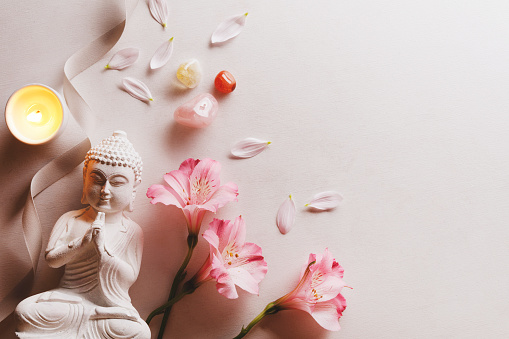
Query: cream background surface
x=401 y=106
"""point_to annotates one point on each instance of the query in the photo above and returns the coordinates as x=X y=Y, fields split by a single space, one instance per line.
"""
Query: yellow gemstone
x=189 y=73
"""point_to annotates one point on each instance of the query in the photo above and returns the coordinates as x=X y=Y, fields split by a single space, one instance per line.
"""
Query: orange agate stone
x=225 y=82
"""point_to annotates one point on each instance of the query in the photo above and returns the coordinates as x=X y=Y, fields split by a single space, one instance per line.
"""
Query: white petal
x=123 y=58
x=325 y=200
x=229 y=28
x=137 y=89
x=159 y=10
x=162 y=55
x=249 y=147
x=286 y=216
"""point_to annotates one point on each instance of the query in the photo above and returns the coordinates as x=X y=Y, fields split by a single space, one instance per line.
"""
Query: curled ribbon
x=65 y=163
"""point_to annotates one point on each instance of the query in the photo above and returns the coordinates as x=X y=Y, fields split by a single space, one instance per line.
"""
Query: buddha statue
x=101 y=249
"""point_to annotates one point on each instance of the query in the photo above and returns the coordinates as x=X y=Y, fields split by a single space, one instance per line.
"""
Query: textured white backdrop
x=399 y=105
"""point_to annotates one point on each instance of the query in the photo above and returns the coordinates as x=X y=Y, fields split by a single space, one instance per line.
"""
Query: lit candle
x=35 y=114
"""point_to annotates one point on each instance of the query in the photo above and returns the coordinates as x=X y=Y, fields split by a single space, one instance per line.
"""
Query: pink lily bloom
x=195 y=189
x=231 y=261
x=318 y=292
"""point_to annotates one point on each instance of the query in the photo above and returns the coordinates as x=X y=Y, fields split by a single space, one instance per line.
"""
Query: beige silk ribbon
x=59 y=167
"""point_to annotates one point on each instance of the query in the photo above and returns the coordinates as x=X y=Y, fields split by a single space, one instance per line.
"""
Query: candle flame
x=35 y=116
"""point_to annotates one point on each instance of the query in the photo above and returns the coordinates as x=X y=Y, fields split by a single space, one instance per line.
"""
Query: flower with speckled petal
x=317 y=293
x=195 y=189
x=232 y=261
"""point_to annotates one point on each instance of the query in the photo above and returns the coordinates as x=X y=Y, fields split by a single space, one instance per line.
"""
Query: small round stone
x=225 y=82
x=189 y=73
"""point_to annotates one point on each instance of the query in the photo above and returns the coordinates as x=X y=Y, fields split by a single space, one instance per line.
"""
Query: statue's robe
x=92 y=300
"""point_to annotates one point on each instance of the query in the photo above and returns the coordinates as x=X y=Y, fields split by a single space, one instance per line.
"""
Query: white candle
x=35 y=114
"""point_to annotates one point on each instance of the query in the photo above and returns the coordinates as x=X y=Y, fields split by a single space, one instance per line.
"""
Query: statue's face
x=108 y=188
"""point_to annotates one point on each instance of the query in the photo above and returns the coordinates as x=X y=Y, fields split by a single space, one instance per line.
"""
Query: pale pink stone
x=198 y=112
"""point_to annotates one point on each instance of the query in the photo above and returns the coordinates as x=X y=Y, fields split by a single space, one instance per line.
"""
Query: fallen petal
x=249 y=147
x=229 y=28
x=123 y=58
x=286 y=216
x=325 y=200
x=159 y=11
x=162 y=55
x=137 y=89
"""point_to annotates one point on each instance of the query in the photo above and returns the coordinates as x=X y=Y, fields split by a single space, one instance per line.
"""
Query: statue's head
x=111 y=173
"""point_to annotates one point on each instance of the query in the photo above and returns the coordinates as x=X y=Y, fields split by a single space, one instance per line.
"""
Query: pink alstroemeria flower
x=318 y=292
x=231 y=261
x=195 y=189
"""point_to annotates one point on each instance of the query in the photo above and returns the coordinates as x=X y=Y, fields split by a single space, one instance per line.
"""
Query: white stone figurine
x=101 y=249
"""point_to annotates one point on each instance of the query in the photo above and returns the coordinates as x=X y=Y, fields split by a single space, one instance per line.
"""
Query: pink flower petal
x=249 y=147
x=159 y=193
x=327 y=264
x=255 y=263
x=221 y=197
x=123 y=58
x=226 y=287
x=188 y=165
x=243 y=279
x=229 y=28
x=327 y=314
x=162 y=55
x=238 y=232
x=224 y=283
x=204 y=181
x=286 y=216
x=323 y=263
x=137 y=89
x=159 y=11
x=203 y=274
x=330 y=287
x=218 y=234
x=298 y=303
x=194 y=216
x=251 y=250
x=325 y=200
x=179 y=182
x=340 y=303
x=218 y=270
x=213 y=240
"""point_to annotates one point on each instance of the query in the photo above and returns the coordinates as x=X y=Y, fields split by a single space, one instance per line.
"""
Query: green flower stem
x=271 y=308
x=192 y=240
x=169 y=303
